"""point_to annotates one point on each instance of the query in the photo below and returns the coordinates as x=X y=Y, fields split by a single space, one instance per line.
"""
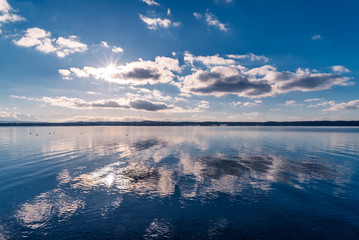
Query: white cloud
x=213 y=21
x=156 y=23
x=16 y=117
x=120 y=103
x=340 y=69
x=6 y=13
x=33 y=37
x=316 y=37
x=67 y=46
x=352 y=105
x=313 y=99
x=151 y=2
x=291 y=103
x=117 y=49
x=223 y=80
x=323 y=103
x=177 y=24
x=257 y=82
x=169 y=12
x=105 y=44
x=79 y=72
x=208 y=60
x=252 y=104
x=4 y=6
x=197 y=15
x=252 y=57
x=42 y=41
x=305 y=80
x=134 y=73
x=214 y=75
x=203 y=104
x=64 y=72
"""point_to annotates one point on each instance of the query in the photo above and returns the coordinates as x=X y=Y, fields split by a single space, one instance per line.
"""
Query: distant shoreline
x=155 y=123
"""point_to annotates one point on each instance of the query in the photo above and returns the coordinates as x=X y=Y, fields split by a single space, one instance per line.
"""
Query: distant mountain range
x=156 y=123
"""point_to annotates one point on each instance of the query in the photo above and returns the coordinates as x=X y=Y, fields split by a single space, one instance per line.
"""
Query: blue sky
x=220 y=60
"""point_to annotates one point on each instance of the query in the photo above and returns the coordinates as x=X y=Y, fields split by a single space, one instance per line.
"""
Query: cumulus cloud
x=208 y=60
x=212 y=20
x=134 y=73
x=157 y=23
x=220 y=81
x=304 y=80
x=42 y=41
x=262 y=81
x=121 y=103
x=67 y=46
x=148 y=106
x=151 y=2
x=7 y=13
x=352 y=105
x=65 y=73
x=214 y=75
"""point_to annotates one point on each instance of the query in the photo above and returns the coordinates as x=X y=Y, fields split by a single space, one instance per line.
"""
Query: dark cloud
x=142 y=73
x=109 y=104
x=148 y=106
x=310 y=82
x=233 y=84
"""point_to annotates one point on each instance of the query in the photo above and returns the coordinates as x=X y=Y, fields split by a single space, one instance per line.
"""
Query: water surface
x=179 y=183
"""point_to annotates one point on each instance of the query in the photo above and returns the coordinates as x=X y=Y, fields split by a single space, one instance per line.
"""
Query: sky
x=179 y=60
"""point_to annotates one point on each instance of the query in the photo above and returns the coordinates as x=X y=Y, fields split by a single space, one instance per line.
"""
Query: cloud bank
x=77 y=103
x=216 y=75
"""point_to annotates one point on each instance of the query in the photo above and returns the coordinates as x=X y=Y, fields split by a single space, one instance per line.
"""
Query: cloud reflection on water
x=156 y=167
x=40 y=211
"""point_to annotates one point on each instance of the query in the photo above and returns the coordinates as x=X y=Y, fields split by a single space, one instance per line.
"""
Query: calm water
x=179 y=183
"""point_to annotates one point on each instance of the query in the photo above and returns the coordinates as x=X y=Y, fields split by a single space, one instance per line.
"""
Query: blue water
x=179 y=183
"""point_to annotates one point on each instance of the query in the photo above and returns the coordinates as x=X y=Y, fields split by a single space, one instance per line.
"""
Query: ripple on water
x=154 y=182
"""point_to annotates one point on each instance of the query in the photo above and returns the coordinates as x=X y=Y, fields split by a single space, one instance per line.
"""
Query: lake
x=179 y=183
